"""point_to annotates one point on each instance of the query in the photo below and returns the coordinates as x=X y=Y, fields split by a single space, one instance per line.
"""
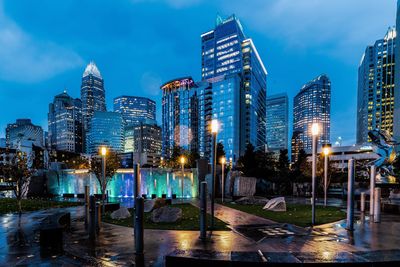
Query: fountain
x=153 y=181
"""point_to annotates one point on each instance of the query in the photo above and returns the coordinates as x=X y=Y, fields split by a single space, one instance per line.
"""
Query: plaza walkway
x=115 y=244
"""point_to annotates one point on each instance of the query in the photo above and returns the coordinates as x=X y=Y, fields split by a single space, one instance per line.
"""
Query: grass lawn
x=8 y=205
x=297 y=214
x=189 y=221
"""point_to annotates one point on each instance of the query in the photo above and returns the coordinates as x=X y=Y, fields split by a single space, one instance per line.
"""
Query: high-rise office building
x=23 y=133
x=312 y=105
x=143 y=138
x=226 y=51
x=226 y=103
x=376 y=87
x=135 y=109
x=65 y=123
x=277 y=122
x=180 y=122
x=92 y=95
x=396 y=115
x=105 y=129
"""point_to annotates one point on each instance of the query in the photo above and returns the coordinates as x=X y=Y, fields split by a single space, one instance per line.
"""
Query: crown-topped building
x=92 y=94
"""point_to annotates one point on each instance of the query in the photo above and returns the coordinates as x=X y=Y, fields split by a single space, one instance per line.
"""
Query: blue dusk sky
x=138 y=44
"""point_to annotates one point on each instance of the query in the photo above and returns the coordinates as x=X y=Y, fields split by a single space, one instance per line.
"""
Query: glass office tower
x=277 y=122
x=180 y=120
x=226 y=51
x=65 y=123
x=396 y=115
x=376 y=87
x=23 y=133
x=312 y=105
x=92 y=95
x=135 y=109
x=105 y=129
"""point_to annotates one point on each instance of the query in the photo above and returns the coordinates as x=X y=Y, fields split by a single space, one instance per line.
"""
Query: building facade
x=135 y=110
x=105 y=129
x=65 y=124
x=277 y=122
x=376 y=88
x=92 y=95
x=312 y=105
x=225 y=52
x=23 y=133
x=180 y=121
x=396 y=115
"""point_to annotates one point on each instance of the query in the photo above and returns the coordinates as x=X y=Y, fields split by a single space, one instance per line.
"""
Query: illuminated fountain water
x=153 y=181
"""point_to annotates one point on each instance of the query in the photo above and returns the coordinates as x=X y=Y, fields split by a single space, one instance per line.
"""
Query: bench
x=51 y=233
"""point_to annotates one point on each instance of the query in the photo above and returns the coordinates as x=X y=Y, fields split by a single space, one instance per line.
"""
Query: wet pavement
x=115 y=244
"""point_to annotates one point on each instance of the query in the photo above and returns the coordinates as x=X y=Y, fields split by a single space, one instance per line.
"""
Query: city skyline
x=146 y=81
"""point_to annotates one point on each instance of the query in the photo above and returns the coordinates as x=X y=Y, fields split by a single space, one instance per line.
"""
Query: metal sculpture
x=384 y=146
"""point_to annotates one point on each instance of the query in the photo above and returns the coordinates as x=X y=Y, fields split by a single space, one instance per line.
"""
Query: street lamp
x=223 y=161
x=327 y=150
x=214 y=131
x=183 y=172
x=103 y=152
x=314 y=133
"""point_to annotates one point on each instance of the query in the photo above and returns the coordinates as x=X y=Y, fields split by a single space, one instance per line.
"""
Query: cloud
x=338 y=25
x=26 y=59
x=150 y=83
x=177 y=4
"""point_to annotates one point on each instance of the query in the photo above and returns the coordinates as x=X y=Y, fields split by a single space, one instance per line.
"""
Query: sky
x=139 y=44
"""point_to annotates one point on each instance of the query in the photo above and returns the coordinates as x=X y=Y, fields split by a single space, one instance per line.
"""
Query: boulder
x=121 y=213
x=276 y=204
x=252 y=201
x=152 y=204
x=166 y=214
x=149 y=205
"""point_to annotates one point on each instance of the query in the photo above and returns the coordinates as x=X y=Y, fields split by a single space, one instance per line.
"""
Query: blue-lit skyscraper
x=226 y=51
x=93 y=95
x=312 y=105
x=180 y=120
x=277 y=122
x=105 y=129
x=396 y=115
x=23 y=134
x=135 y=110
x=376 y=87
x=226 y=99
x=65 y=123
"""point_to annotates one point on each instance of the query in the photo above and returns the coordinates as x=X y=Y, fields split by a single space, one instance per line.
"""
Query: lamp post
x=327 y=151
x=214 y=131
x=314 y=133
x=103 y=152
x=223 y=160
x=183 y=172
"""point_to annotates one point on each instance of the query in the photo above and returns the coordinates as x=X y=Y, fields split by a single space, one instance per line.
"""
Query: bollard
x=377 y=205
x=371 y=190
x=92 y=218
x=98 y=217
x=87 y=196
x=139 y=211
x=203 y=211
x=350 y=196
x=136 y=181
x=362 y=202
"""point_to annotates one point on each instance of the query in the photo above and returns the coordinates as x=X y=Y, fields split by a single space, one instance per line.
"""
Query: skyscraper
x=277 y=122
x=226 y=51
x=105 y=129
x=23 y=133
x=376 y=92
x=396 y=115
x=135 y=109
x=92 y=94
x=65 y=123
x=179 y=115
x=312 y=105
